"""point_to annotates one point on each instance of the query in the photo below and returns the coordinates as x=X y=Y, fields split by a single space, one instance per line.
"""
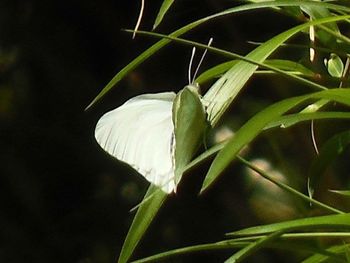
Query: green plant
x=329 y=100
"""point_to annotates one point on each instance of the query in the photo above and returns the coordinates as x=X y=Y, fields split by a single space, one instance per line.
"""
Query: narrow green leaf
x=202 y=247
x=223 y=92
x=286 y=65
x=292 y=66
x=311 y=108
x=239 y=243
x=341 y=192
x=331 y=149
x=341 y=221
x=215 y=71
x=222 y=52
x=256 y=124
x=163 y=42
x=162 y=11
x=334 y=250
x=317 y=12
x=205 y=155
x=144 y=216
x=250 y=249
x=292 y=119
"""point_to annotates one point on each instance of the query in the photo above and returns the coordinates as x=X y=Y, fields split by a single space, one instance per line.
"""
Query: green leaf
x=335 y=66
x=144 y=216
x=202 y=247
x=215 y=71
x=291 y=66
x=190 y=124
x=309 y=109
x=317 y=12
x=286 y=65
x=250 y=249
x=163 y=42
x=162 y=11
x=331 y=149
x=319 y=258
x=341 y=192
x=341 y=221
x=256 y=124
x=223 y=92
x=292 y=119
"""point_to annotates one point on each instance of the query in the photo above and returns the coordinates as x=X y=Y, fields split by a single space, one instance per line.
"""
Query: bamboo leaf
x=286 y=65
x=144 y=216
x=248 y=250
x=341 y=221
x=334 y=250
x=341 y=192
x=292 y=119
x=163 y=42
x=162 y=11
x=256 y=124
x=223 y=92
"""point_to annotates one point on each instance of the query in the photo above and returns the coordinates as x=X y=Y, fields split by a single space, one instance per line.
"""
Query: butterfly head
x=194 y=87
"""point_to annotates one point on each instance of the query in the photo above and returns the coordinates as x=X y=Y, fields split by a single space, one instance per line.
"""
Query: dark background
x=62 y=198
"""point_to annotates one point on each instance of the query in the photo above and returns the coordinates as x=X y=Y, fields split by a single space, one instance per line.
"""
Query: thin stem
x=288 y=188
x=235 y=56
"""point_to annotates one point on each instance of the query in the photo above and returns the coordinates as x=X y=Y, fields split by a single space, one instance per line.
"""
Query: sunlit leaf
x=162 y=11
x=223 y=92
x=341 y=221
x=316 y=12
x=335 y=66
x=163 y=42
x=256 y=124
x=292 y=119
x=287 y=65
x=334 y=250
x=341 y=192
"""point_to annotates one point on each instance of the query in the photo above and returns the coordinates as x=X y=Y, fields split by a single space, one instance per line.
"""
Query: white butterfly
x=141 y=133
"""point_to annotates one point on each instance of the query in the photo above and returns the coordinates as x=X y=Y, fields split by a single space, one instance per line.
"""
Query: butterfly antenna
x=202 y=58
x=190 y=65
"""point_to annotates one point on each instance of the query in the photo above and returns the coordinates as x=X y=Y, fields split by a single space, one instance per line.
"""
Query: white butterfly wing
x=141 y=133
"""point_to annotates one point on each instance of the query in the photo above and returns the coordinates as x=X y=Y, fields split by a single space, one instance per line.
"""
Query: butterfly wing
x=141 y=133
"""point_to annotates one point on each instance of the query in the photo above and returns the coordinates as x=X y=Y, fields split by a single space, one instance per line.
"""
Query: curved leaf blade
x=163 y=42
x=256 y=124
x=293 y=119
x=329 y=221
x=162 y=11
x=143 y=218
x=250 y=249
x=223 y=92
